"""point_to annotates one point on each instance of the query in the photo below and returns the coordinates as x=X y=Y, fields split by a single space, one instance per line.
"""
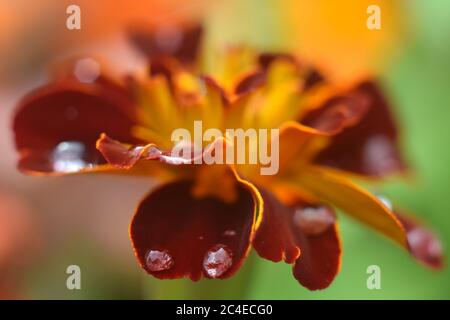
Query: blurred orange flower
x=333 y=34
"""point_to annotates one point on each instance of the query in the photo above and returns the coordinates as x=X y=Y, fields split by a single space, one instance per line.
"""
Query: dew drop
x=217 y=261
x=168 y=38
x=313 y=220
x=229 y=233
x=68 y=157
x=87 y=70
x=379 y=154
x=158 y=260
x=385 y=201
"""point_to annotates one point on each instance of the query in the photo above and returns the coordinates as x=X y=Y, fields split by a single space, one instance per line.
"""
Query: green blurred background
x=416 y=75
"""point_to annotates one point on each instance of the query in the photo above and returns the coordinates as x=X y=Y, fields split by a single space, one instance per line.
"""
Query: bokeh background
x=47 y=224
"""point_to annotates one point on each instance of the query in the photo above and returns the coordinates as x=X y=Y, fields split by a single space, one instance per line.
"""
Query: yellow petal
x=333 y=187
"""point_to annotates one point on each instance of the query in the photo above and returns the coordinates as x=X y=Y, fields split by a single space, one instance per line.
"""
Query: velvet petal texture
x=304 y=234
x=176 y=234
x=370 y=146
x=318 y=237
x=56 y=126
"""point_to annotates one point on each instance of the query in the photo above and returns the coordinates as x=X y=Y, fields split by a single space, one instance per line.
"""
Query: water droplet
x=168 y=38
x=200 y=237
x=158 y=260
x=384 y=200
x=152 y=152
x=68 y=157
x=87 y=70
x=380 y=155
x=229 y=233
x=217 y=261
x=313 y=220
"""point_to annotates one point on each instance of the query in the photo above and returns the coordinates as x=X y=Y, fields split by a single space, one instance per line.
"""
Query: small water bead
x=156 y=260
x=168 y=38
x=87 y=70
x=385 y=201
x=229 y=233
x=217 y=261
x=68 y=156
x=313 y=220
x=380 y=155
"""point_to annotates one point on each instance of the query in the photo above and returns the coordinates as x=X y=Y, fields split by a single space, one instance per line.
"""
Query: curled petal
x=56 y=126
x=124 y=156
x=304 y=234
x=369 y=147
x=423 y=244
x=176 y=234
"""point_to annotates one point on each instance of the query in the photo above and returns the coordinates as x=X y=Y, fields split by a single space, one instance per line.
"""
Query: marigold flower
x=204 y=218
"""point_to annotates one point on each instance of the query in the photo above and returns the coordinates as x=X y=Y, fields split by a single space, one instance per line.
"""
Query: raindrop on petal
x=379 y=154
x=158 y=260
x=313 y=220
x=68 y=157
x=387 y=203
x=217 y=261
x=87 y=70
x=229 y=233
x=168 y=38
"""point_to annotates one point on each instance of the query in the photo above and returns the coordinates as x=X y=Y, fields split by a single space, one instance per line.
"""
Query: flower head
x=205 y=217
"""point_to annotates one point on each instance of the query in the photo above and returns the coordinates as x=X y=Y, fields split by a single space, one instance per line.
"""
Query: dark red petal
x=178 y=42
x=176 y=235
x=369 y=147
x=423 y=244
x=318 y=238
x=56 y=126
x=303 y=234
x=338 y=112
x=274 y=240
